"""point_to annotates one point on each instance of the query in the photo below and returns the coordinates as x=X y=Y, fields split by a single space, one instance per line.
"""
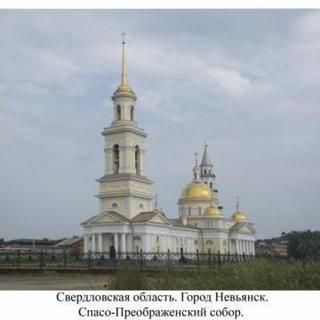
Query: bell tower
x=124 y=188
x=207 y=174
x=206 y=167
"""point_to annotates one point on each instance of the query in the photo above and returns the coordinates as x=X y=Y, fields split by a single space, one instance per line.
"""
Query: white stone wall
x=191 y=208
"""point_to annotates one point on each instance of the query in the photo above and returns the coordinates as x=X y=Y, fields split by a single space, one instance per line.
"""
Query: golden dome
x=196 y=191
x=212 y=212
x=124 y=88
x=239 y=216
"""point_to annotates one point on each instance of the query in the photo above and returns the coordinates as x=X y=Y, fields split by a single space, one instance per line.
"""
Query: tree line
x=303 y=244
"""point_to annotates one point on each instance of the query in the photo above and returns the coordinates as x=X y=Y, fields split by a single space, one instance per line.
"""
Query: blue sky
x=246 y=82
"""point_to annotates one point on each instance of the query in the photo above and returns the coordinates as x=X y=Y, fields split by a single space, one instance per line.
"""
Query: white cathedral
x=130 y=221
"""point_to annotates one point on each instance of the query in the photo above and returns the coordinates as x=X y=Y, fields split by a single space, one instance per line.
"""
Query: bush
x=252 y=275
x=129 y=279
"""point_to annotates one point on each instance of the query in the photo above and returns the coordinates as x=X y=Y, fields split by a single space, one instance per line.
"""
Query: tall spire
x=205 y=157
x=124 y=80
x=124 y=89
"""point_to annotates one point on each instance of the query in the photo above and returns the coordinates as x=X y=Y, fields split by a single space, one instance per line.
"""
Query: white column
x=85 y=243
x=116 y=243
x=93 y=243
x=123 y=243
x=145 y=243
x=100 y=246
x=238 y=246
x=128 y=243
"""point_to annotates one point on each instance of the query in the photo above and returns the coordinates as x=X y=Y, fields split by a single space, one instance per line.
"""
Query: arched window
x=211 y=185
x=137 y=159
x=118 y=112
x=116 y=158
x=199 y=211
x=205 y=171
x=132 y=113
x=189 y=211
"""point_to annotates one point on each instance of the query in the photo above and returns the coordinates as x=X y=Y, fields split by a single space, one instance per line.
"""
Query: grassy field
x=253 y=275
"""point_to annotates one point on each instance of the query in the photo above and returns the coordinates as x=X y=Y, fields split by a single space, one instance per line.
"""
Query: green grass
x=252 y=275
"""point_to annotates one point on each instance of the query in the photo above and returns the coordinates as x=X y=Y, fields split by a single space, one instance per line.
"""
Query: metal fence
x=20 y=260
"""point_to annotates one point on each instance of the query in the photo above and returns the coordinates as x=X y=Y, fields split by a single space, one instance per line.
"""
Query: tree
x=304 y=244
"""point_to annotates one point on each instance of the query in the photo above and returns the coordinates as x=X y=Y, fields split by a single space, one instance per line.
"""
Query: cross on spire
x=196 y=157
x=123 y=35
x=238 y=204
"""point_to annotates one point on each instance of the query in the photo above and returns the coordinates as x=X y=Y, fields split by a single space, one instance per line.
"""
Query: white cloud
x=230 y=80
x=304 y=51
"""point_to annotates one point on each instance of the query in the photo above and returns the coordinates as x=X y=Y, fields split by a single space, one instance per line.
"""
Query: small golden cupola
x=213 y=212
x=239 y=215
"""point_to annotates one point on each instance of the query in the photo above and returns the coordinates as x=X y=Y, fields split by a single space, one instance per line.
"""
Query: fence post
x=89 y=259
x=209 y=258
x=41 y=260
x=198 y=261
x=219 y=259
x=141 y=259
x=169 y=263
x=65 y=258
x=18 y=260
x=181 y=255
x=244 y=257
x=228 y=255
